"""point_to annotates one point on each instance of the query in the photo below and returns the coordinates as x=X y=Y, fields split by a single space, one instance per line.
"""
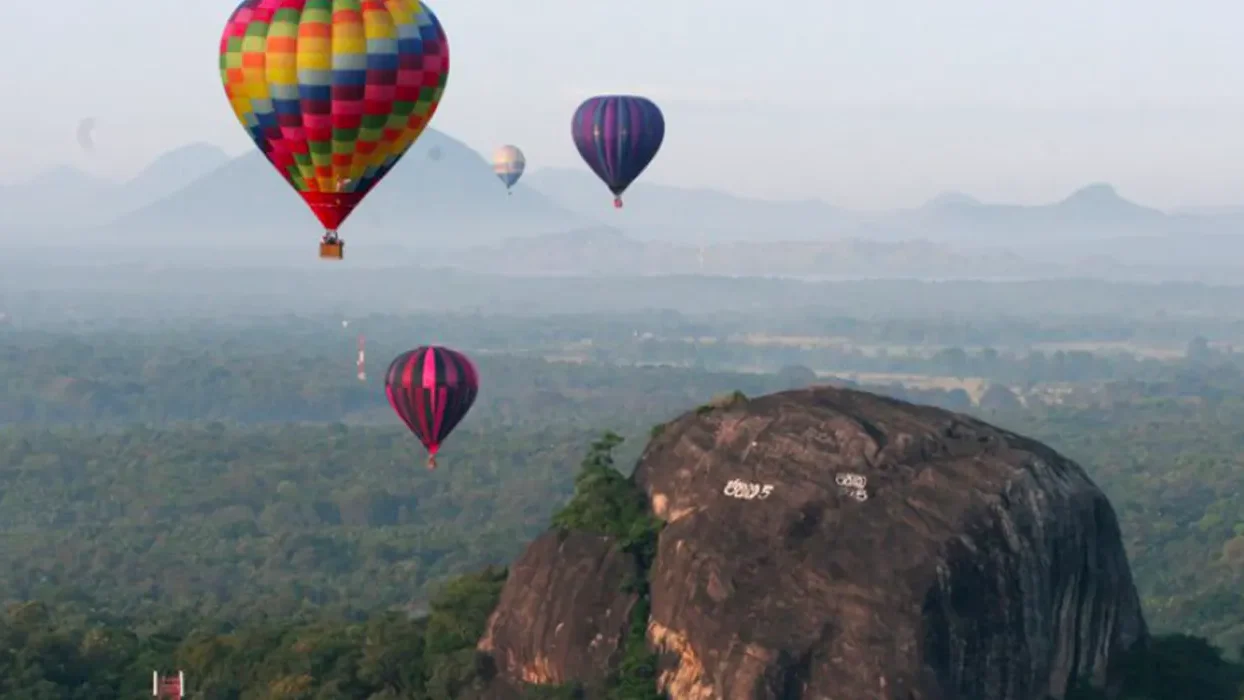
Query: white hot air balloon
x=508 y=163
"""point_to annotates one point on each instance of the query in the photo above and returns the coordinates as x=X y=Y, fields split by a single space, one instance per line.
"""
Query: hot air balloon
x=618 y=136
x=333 y=92
x=85 y=129
x=508 y=163
x=431 y=388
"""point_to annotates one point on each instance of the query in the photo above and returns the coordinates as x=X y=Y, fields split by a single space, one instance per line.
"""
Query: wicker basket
x=332 y=251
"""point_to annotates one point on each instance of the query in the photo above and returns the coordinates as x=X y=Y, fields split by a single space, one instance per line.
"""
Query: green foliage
x=164 y=495
x=607 y=503
x=234 y=522
x=458 y=619
x=565 y=691
x=66 y=654
x=1173 y=667
x=1181 y=666
x=261 y=375
x=635 y=678
x=460 y=612
x=729 y=400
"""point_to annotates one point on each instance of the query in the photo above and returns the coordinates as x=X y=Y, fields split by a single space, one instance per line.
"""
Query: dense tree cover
x=1174 y=666
x=218 y=514
x=240 y=474
x=251 y=376
x=615 y=329
x=226 y=522
x=68 y=652
x=272 y=653
x=296 y=369
x=74 y=651
x=91 y=291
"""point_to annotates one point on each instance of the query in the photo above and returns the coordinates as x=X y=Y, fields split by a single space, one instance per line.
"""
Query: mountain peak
x=179 y=167
x=194 y=154
x=1096 y=193
x=453 y=201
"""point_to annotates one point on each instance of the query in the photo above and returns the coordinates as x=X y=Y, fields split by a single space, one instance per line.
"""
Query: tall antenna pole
x=362 y=354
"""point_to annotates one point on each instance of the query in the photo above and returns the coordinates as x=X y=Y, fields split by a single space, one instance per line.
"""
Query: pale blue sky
x=865 y=103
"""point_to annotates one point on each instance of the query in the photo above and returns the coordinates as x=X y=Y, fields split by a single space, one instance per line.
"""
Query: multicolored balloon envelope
x=334 y=92
x=618 y=136
x=431 y=388
x=508 y=163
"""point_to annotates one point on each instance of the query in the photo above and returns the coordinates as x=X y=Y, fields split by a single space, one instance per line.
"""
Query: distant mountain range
x=443 y=205
x=676 y=214
x=605 y=251
x=451 y=200
x=64 y=198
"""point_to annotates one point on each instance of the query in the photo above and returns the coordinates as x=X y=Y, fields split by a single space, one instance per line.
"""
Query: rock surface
x=563 y=612
x=833 y=544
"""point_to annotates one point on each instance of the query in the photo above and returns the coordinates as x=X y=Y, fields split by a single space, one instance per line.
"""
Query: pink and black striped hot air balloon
x=431 y=388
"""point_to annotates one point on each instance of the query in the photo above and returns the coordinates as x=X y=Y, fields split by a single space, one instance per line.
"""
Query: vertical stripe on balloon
x=431 y=388
x=618 y=136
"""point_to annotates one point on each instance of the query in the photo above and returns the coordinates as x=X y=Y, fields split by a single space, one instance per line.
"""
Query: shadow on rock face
x=829 y=543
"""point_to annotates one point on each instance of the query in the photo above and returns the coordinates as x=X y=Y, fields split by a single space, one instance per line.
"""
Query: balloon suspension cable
x=617 y=202
x=330 y=236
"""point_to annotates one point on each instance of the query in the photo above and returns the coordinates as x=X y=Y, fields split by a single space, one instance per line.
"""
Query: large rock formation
x=563 y=612
x=834 y=544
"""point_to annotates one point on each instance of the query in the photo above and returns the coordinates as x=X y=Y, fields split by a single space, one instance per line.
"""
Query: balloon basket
x=332 y=251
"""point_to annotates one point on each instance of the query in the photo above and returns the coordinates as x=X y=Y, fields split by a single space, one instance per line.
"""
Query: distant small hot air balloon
x=508 y=163
x=431 y=388
x=334 y=92
x=618 y=136
x=85 y=129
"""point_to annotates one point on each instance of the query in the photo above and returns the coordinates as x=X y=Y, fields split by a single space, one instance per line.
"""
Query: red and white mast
x=168 y=686
x=361 y=368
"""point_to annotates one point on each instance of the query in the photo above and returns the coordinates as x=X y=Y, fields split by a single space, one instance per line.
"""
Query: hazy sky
x=866 y=103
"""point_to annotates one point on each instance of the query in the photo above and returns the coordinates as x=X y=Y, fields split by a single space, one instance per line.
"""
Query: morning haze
x=865 y=104
x=918 y=343
x=839 y=139
x=822 y=141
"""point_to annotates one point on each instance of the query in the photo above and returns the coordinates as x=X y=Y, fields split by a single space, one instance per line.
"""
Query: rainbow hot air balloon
x=508 y=163
x=334 y=92
x=618 y=136
x=431 y=388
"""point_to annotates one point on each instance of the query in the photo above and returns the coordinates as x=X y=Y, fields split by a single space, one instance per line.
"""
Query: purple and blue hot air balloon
x=618 y=136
